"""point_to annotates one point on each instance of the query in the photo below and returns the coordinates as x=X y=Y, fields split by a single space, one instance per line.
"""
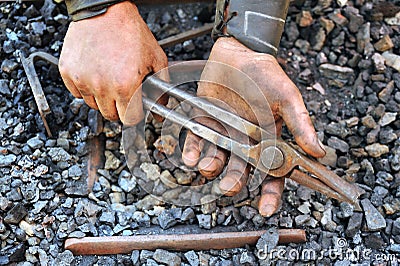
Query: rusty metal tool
x=29 y=67
x=272 y=156
x=200 y=240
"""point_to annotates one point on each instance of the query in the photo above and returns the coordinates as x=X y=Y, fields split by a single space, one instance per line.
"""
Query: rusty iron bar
x=187 y=35
x=180 y=242
x=95 y=160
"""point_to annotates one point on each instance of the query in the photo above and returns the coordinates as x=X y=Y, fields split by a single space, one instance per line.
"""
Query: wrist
x=257 y=24
x=85 y=9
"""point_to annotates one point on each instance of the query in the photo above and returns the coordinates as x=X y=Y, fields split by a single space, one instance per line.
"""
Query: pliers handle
x=271 y=155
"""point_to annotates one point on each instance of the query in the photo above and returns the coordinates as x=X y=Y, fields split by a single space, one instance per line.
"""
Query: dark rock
x=16 y=214
x=338 y=144
x=16 y=253
x=192 y=258
x=268 y=241
x=337 y=75
x=247 y=258
x=355 y=19
x=354 y=224
x=166 y=219
x=374 y=241
x=4 y=89
x=396 y=227
x=374 y=219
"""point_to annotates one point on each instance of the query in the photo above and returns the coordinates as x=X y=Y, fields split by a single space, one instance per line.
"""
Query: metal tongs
x=272 y=156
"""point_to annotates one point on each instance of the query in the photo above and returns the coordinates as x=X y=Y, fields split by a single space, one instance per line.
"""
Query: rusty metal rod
x=180 y=242
x=187 y=35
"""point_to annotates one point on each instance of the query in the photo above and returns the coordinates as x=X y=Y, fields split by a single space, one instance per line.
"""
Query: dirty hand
x=277 y=90
x=105 y=59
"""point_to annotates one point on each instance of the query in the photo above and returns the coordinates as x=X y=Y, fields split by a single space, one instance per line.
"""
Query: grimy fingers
x=213 y=162
x=299 y=123
x=271 y=196
x=237 y=173
x=215 y=158
x=107 y=108
x=130 y=111
x=192 y=149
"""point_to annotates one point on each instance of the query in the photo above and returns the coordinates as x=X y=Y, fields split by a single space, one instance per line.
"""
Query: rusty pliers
x=272 y=156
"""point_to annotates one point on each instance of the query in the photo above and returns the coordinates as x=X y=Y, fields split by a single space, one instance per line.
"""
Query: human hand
x=105 y=59
x=278 y=93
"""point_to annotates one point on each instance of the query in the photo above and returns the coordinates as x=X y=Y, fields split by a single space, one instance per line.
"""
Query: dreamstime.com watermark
x=340 y=251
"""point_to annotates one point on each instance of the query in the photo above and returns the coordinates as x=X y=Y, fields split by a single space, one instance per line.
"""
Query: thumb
x=299 y=123
x=131 y=113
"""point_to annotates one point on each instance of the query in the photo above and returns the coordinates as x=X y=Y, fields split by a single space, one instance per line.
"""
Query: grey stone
x=396 y=227
x=338 y=144
x=107 y=217
x=247 y=258
x=147 y=202
x=63 y=143
x=302 y=219
x=4 y=89
x=65 y=258
x=146 y=254
x=152 y=170
x=268 y=240
x=16 y=253
x=166 y=219
x=304 y=208
x=346 y=210
x=59 y=155
x=16 y=214
x=7 y=160
x=187 y=215
x=38 y=27
x=165 y=257
x=355 y=19
x=286 y=222
x=126 y=181
x=375 y=221
x=135 y=257
x=75 y=171
x=337 y=75
x=192 y=258
x=204 y=220
x=363 y=38
x=151 y=262
x=395 y=248
x=8 y=66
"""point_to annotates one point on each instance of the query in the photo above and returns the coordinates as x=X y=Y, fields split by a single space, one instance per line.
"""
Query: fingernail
x=267 y=210
x=321 y=145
